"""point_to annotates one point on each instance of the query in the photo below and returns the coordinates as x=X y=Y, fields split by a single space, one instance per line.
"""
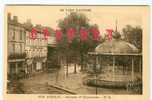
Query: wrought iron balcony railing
x=17 y=56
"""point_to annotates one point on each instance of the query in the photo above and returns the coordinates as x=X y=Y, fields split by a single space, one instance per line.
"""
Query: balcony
x=17 y=56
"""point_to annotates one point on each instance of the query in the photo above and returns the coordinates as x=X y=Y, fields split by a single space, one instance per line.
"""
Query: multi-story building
x=16 y=46
x=36 y=49
x=26 y=54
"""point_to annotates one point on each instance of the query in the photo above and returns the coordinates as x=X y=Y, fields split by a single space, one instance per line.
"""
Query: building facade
x=16 y=46
x=25 y=54
x=36 y=50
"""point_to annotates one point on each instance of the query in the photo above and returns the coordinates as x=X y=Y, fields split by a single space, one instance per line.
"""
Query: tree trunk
x=67 y=65
x=82 y=62
x=75 y=68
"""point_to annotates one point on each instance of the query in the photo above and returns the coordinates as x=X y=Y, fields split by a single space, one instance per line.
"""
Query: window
x=20 y=34
x=13 y=35
x=30 y=42
x=12 y=68
x=20 y=48
x=30 y=54
x=13 y=48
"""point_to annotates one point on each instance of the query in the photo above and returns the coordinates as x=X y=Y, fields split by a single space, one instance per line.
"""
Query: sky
x=104 y=16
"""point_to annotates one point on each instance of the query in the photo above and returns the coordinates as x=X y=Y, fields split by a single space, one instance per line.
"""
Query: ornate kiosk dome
x=116 y=45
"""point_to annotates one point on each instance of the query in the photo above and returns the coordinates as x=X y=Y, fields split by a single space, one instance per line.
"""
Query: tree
x=75 y=47
x=133 y=35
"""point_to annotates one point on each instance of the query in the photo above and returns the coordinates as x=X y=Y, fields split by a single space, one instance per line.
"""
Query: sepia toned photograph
x=75 y=50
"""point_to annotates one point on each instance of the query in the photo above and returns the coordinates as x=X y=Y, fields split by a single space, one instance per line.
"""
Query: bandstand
x=116 y=63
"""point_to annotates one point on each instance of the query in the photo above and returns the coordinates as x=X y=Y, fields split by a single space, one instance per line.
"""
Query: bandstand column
x=95 y=65
x=97 y=59
x=100 y=62
x=132 y=69
x=140 y=64
x=113 y=69
x=16 y=67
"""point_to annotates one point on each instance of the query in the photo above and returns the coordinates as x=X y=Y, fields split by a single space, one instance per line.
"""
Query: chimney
x=15 y=18
x=28 y=21
x=28 y=24
x=9 y=16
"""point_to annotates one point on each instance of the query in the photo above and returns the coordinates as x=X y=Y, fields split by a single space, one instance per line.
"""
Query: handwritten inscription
x=71 y=32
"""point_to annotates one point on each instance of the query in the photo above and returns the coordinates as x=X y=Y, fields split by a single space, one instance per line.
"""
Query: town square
x=74 y=50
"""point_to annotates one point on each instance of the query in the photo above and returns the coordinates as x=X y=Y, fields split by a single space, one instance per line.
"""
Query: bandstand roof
x=116 y=46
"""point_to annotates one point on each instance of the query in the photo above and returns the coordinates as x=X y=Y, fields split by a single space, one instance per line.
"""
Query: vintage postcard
x=76 y=52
